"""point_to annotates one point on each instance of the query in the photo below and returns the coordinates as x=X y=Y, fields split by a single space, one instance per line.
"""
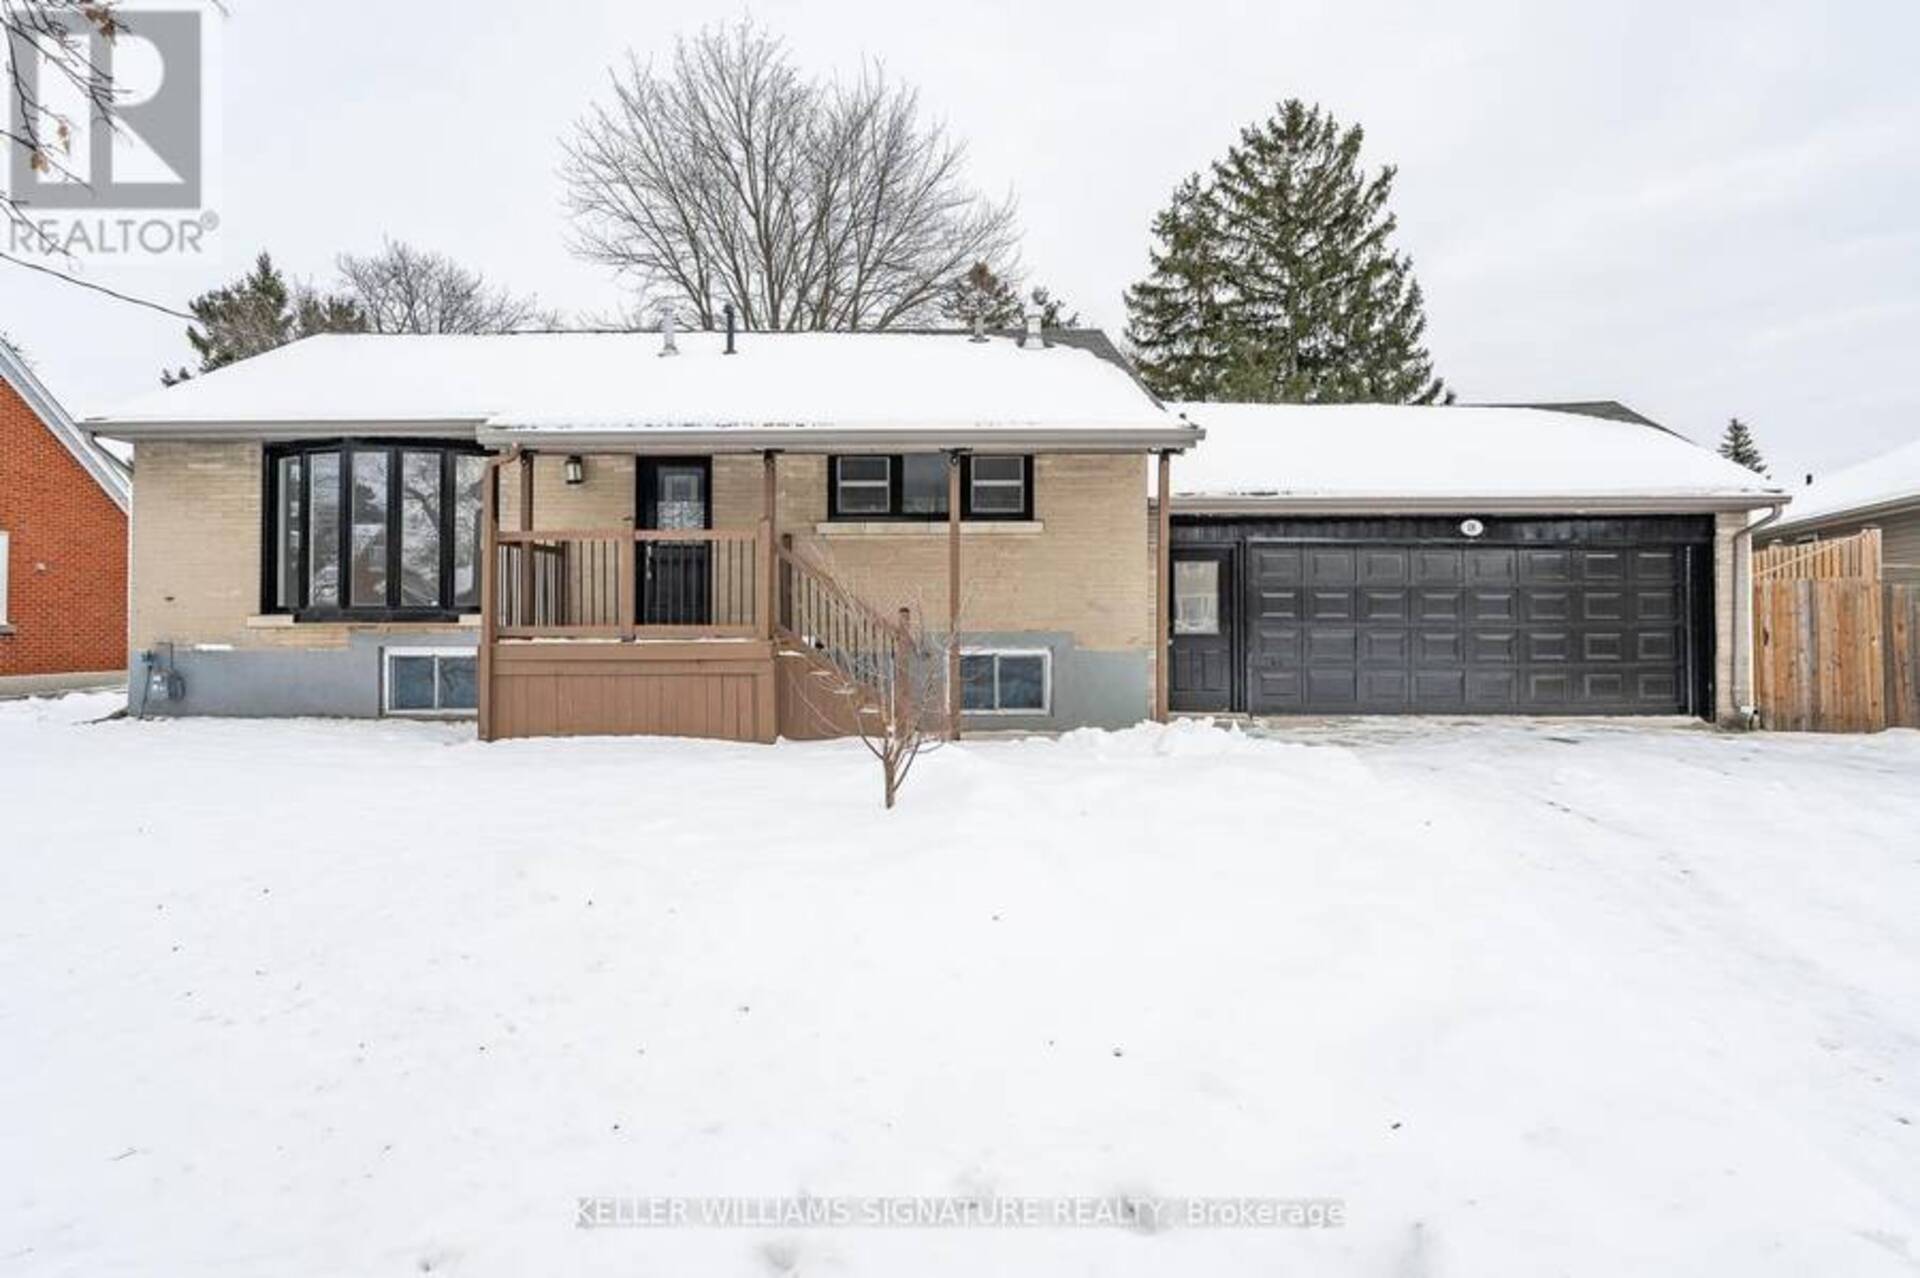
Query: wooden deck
x=715 y=688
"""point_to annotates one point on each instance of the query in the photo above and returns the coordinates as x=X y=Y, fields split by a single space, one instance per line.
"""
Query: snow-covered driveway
x=331 y=998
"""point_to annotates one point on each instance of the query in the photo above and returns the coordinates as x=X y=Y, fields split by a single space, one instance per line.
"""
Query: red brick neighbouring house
x=63 y=539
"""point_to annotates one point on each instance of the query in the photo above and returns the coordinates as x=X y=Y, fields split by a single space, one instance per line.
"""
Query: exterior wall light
x=576 y=471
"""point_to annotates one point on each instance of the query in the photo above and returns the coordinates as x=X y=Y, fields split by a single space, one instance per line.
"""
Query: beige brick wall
x=1080 y=572
x=196 y=544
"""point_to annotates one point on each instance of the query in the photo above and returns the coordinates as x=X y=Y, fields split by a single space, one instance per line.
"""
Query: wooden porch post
x=529 y=615
x=953 y=595
x=769 y=529
x=489 y=590
x=1162 y=584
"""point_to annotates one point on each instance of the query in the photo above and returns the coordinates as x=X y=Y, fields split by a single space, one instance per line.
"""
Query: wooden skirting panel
x=810 y=708
x=718 y=690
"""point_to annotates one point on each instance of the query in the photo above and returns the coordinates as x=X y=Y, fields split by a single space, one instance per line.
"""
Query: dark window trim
x=895 y=474
x=346 y=446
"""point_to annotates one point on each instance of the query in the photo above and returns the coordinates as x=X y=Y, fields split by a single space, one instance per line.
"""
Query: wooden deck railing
x=815 y=612
x=623 y=583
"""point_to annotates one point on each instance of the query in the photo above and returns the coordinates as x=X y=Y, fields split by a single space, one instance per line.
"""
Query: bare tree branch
x=726 y=176
x=402 y=289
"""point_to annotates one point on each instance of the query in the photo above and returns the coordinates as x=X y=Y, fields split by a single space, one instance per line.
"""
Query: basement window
x=1006 y=681
x=431 y=681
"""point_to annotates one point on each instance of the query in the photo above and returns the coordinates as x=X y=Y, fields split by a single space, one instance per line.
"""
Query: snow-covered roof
x=1413 y=457
x=107 y=470
x=1890 y=479
x=607 y=389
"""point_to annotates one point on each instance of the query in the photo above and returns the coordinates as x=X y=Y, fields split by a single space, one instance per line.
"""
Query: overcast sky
x=1703 y=210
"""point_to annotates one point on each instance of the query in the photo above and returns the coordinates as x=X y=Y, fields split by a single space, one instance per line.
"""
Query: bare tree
x=58 y=34
x=402 y=289
x=727 y=176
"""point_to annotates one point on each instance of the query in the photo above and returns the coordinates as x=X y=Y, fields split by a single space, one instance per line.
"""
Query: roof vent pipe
x=728 y=308
x=1032 y=339
x=667 y=344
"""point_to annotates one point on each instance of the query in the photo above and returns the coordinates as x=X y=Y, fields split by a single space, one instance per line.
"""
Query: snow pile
x=1402 y=450
x=315 y=997
x=1890 y=477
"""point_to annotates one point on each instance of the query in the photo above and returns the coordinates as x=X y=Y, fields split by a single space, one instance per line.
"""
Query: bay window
x=361 y=529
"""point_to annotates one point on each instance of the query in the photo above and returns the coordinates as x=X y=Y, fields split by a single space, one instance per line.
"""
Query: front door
x=675 y=576
x=1200 y=674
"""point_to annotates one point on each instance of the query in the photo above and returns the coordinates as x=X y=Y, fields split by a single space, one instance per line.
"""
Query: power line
x=99 y=288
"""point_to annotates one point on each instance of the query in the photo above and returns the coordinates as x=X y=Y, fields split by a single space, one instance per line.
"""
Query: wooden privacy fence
x=1854 y=558
x=1836 y=655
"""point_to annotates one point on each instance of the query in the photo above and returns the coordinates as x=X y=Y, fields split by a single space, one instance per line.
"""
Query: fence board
x=1836 y=654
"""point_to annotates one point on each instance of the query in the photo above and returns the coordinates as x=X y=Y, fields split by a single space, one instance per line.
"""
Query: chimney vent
x=979 y=328
x=1032 y=339
x=667 y=345
x=729 y=312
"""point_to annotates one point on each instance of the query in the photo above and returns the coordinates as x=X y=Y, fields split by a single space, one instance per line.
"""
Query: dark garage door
x=1565 y=617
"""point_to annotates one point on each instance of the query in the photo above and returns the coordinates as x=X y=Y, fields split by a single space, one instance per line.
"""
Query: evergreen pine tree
x=1737 y=445
x=257 y=313
x=1274 y=278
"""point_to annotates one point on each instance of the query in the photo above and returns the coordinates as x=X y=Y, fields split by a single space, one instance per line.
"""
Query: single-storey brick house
x=63 y=542
x=599 y=532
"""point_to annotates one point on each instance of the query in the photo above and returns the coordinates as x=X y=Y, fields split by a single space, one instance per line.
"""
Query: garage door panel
x=1494 y=605
x=1332 y=643
x=1332 y=567
x=1333 y=689
x=1492 y=567
x=1438 y=567
x=1330 y=605
x=1384 y=647
x=1494 y=647
x=1546 y=606
x=1392 y=627
x=1437 y=691
x=1383 y=605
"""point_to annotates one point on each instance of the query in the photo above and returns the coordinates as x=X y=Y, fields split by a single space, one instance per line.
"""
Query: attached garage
x=1414 y=560
x=1414 y=616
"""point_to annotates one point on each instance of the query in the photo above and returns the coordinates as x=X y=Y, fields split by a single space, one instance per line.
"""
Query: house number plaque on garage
x=1471 y=528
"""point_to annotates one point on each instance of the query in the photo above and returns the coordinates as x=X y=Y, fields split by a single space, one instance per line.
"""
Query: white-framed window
x=1006 y=681
x=439 y=682
x=997 y=485
x=5 y=546
x=863 y=485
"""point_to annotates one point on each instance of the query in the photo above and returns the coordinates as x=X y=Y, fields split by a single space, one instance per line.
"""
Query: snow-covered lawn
x=331 y=998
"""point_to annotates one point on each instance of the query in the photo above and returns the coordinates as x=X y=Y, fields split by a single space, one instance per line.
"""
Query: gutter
x=1468 y=504
x=1743 y=616
x=802 y=439
x=1852 y=514
x=306 y=428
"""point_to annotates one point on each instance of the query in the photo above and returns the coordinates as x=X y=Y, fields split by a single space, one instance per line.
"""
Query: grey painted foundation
x=278 y=682
x=1090 y=689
